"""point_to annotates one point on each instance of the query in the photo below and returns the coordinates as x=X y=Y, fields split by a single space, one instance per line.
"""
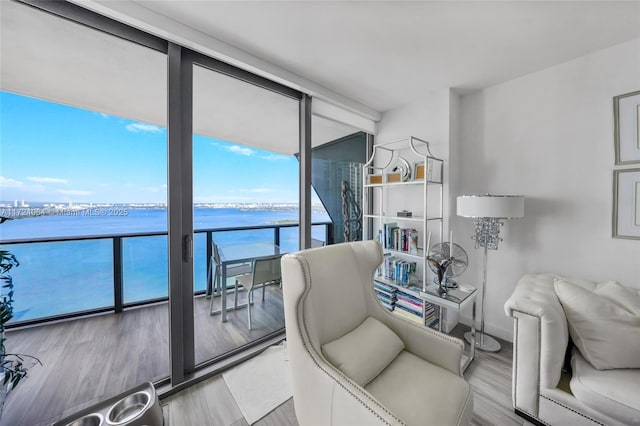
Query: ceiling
x=387 y=53
x=380 y=54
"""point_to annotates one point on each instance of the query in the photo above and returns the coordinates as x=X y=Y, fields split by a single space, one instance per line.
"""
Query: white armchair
x=383 y=369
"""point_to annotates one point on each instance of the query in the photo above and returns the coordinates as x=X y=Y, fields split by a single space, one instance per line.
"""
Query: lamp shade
x=497 y=206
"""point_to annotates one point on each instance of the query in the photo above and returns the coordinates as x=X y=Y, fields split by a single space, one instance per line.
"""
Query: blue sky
x=52 y=152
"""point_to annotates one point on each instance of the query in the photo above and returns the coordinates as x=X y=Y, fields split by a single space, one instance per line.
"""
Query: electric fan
x=447 y=264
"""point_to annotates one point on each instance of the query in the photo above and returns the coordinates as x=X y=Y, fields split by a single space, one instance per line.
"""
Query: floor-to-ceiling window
x=83 y=154
x=94 y=191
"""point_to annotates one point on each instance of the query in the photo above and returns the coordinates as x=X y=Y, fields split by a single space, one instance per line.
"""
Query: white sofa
x=344 y=368
x=541 y=340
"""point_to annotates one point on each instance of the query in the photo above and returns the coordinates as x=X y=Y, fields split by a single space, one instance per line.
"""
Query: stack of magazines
x=410 y=307
x=386 y=294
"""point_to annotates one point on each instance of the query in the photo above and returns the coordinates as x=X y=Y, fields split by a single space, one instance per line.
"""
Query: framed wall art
x=626 y=203
x=626 y=115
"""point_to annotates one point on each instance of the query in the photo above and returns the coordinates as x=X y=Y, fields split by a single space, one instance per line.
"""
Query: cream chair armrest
x=540 y=339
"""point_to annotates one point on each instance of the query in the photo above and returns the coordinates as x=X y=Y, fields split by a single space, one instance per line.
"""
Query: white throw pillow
x=604 y=323
x=365 y=351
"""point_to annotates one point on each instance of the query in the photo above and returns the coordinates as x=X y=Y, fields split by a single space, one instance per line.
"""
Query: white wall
x=548 y=136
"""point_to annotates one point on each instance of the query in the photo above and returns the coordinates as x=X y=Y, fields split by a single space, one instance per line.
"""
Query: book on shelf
x=390 y=294
x=385 y=288
x=398 y=270
x=389 y=306
x=392 y=237
x=432 y=322
x=408 y=314
x=385 y=298
x=417 y=310
x=413 y=242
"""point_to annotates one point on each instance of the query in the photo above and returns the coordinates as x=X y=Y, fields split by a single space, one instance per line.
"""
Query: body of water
x=70 y=276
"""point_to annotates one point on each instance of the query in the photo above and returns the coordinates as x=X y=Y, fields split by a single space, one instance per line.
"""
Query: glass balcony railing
x=72 y=276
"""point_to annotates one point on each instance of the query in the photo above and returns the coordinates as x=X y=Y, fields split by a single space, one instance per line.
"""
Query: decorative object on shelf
x=404 y=213
x=626 y=115
x=418 y=171
x=375 y=179
x=488 y=212
x=351 y=214
x=626 y=204
x=447 y=260
x=393 y=177
x=403 y=169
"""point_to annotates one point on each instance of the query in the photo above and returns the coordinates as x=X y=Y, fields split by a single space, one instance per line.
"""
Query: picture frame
x=375 y=179
x=626 y=115
x=626 y=204
x=418 y=171
x=422 y=172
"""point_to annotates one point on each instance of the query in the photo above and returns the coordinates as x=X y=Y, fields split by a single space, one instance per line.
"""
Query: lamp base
x=484 y=342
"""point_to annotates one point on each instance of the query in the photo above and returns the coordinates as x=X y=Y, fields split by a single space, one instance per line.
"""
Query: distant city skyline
x=60 y=154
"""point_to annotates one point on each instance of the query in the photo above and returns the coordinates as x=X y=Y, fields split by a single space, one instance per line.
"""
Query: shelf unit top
x=414 y=218
x=409 y=182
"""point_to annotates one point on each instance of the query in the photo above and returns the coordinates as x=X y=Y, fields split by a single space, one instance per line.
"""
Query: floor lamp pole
x=484 y=342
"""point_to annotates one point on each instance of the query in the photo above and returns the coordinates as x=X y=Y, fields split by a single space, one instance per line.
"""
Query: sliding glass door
x=245 y=194
x=83 y=185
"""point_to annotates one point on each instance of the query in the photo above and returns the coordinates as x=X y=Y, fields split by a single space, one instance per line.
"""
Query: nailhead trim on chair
x=571 y=409
x=302 y=326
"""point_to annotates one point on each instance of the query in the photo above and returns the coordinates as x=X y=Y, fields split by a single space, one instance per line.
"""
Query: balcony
x=99 y=319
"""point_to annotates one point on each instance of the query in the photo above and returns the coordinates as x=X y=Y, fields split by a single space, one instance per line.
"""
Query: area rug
x=261 y=384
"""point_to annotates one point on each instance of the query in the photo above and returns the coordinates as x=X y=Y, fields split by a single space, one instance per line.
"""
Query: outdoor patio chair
x=265 y=271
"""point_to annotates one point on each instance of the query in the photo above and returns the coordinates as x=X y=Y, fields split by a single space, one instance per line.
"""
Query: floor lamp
x=488 y=212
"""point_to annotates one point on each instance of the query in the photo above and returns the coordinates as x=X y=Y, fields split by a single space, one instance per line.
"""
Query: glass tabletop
x=237 y=253
x=455 y=297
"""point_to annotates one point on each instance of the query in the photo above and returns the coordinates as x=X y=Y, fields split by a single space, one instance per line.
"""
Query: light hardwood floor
x=211 y=403
x=88 y=360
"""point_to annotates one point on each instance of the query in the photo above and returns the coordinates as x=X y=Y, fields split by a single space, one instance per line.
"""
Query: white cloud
x=143 y=127
x=241 y=150
x=74 y=192
x=163 y=186
x=47 y=180
x=9 y=183
x=276 y=157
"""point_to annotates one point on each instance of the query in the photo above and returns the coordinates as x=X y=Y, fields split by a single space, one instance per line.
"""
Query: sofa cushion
x=365 y=351
x=604 y=323
x=615 y=393
x=409 y=381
